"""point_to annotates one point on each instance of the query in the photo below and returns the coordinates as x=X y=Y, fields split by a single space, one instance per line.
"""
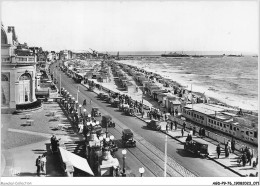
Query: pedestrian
x=218 y=150
x=84 y=102
x=175 y=123
x=200 y=132
x=43 y=164
x=243 y=158
x=248 y=156
x=233 y=145
x=226 y=151
x=165 y=117
x=167 y=127
x=171 y=125
x=38 y=165
x=229 y=146
x=194 y=131
x=203 y=132
x=184 y=125
x=182 y=132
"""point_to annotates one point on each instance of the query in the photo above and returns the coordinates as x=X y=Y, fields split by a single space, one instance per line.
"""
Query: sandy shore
x=186 y=80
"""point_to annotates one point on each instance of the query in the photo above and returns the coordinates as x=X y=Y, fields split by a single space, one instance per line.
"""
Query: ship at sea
x=232 y=55
x=175 y=54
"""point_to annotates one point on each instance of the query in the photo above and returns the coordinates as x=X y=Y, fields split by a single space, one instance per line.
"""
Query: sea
x=231 y=80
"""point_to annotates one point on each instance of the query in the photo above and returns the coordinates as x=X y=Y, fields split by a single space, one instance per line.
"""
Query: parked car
x=197 y=146
x=154 y=124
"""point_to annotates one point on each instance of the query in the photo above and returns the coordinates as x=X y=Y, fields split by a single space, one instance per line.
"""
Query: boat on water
x=232 y=55
x=175 y=54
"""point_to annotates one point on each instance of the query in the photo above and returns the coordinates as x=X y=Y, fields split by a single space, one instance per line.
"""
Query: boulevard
x=149 y=152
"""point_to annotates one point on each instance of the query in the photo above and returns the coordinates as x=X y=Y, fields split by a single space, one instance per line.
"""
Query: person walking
x=194 y=131
x=182 y=132
x=38 y=165
x=166 y=127
x=175 y=123
x=218 y=150
x=171 y=125
x=84 y=102
x=184 y=125
x=243 y=158
x=226 y=151
x=233 y=145
x=43 y=164
x=229 y=146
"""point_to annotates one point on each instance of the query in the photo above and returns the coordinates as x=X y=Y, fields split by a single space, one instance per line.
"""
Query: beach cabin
x=174 y=104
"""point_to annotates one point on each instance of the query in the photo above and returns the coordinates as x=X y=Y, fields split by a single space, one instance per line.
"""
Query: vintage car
x=154 y=124
x=107 y=121
x=128 y=138
x=116 y=103
x=130 y=111
x=106 y=97
x=95 y=112
x=197 y=146
x=100 y=95
x=91 y=88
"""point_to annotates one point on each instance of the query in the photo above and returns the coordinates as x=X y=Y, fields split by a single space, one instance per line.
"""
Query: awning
x=76 y=161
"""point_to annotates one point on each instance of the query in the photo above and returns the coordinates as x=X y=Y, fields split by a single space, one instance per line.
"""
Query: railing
x=24 y=59
x=28 y=106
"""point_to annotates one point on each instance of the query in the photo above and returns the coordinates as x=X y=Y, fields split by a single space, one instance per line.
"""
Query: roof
x=128 y=131
x=208 y=109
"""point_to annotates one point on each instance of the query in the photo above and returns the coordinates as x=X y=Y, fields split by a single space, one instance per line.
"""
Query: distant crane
x=95 y=53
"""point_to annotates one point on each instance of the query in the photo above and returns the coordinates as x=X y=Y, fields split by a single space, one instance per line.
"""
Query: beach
x=231 y=81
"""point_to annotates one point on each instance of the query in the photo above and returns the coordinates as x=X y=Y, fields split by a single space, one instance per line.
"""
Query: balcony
x=18 y=59
x=24 y=59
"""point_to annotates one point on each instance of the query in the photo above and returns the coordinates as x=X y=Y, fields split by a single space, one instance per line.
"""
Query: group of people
x=247 y=156
x=41 y=164
x=54 y=144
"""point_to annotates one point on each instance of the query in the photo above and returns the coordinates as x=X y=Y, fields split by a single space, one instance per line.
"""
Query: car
x=197 y=146
x=154 y=124
x=100 y=95
x=128 y=138
x=95 y=112
x=107 y=121
x=116 y=103
x=130 y=111
x=106 y=97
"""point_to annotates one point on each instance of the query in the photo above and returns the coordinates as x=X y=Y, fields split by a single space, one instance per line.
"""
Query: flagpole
x=60 y=83
x=78 y=94
x=165 y=157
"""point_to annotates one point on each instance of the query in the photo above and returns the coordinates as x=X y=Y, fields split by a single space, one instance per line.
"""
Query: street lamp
x=124 y=153
x=84 y=111
x=141 y=170
x=80 y=109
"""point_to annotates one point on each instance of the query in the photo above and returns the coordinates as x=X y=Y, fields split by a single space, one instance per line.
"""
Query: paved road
x=149 y=152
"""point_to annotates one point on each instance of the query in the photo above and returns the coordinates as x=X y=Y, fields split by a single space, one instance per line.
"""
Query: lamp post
x=80 y=109
x=141 y=170
x=84 y=111
x=124 y=153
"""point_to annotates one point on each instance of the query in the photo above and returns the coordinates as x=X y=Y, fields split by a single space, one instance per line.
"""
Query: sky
x=136 y=25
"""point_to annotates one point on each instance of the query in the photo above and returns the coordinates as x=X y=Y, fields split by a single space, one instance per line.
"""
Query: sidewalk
x=22 y=144
x=229 y=163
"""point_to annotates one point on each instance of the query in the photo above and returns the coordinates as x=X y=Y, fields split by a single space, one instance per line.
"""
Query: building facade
x=17 y=74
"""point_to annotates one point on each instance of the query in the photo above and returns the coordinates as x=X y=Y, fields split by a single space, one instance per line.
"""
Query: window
x=247 y=133
x=255 y=134
x=230 y=127
x=214 y=122
x=217 y=123
x=221 y=124
x=234 y=128
x=4 y=77
x=224 y=125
